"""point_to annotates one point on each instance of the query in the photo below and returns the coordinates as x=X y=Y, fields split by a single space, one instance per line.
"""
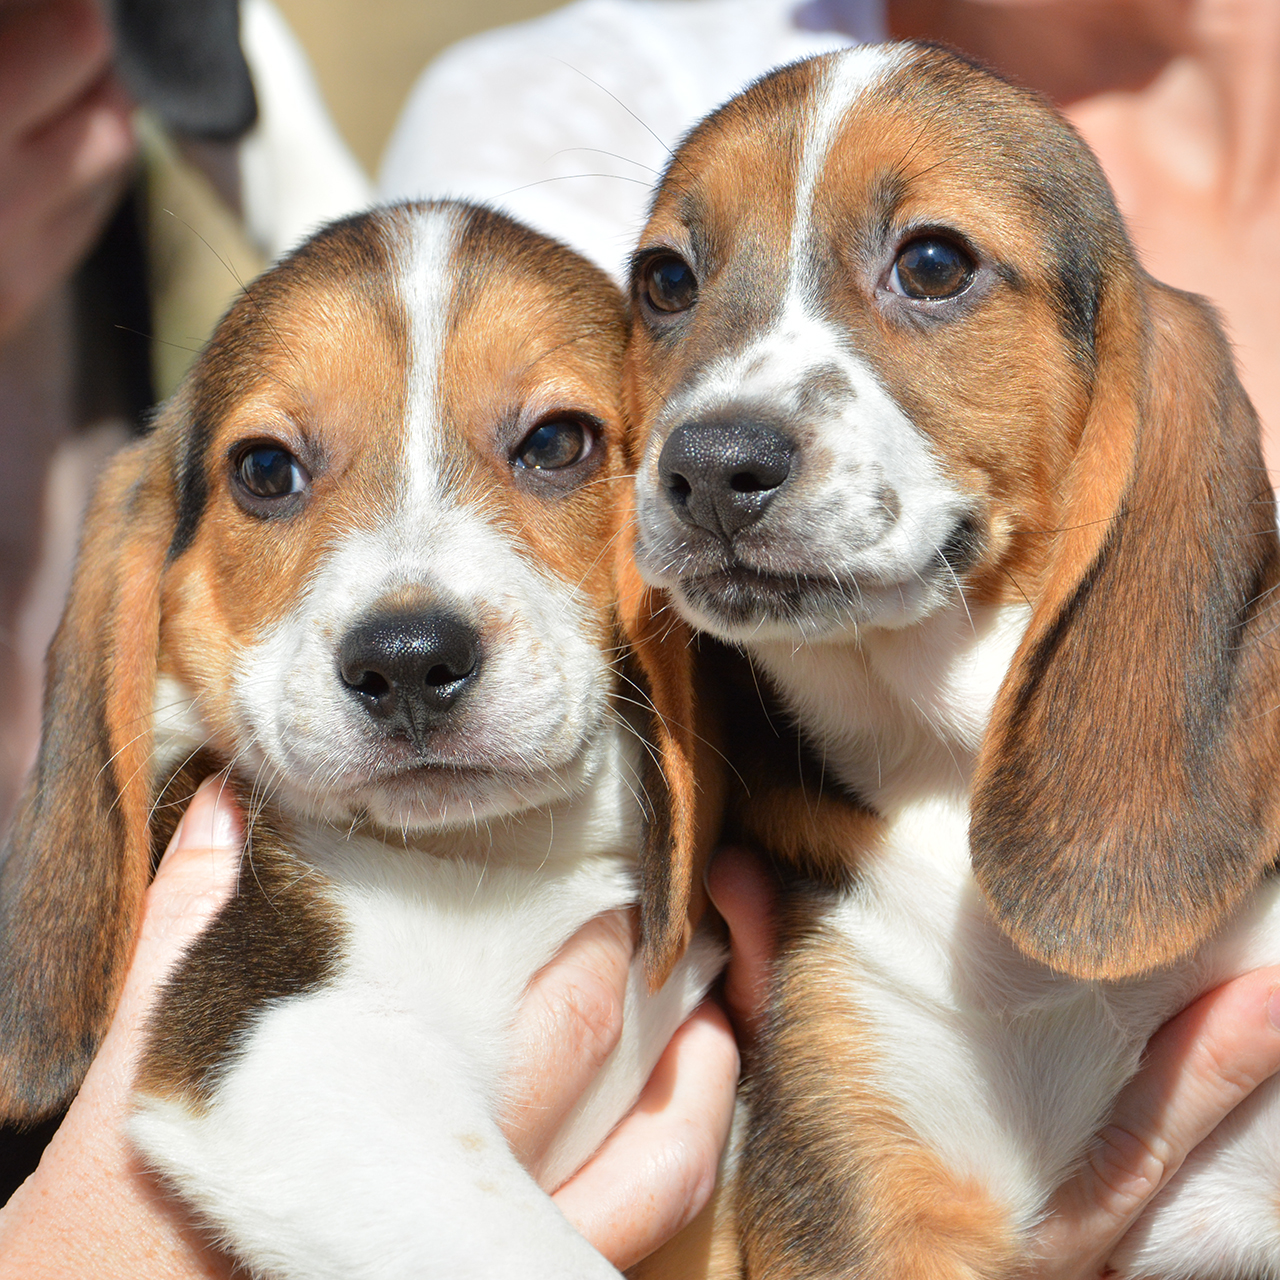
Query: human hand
x=91 y=1209
x=657 y=1169
x=1198 y=1067
x=66 y=140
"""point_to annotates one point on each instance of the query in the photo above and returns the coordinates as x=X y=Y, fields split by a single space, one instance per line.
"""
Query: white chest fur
x=354 y=1132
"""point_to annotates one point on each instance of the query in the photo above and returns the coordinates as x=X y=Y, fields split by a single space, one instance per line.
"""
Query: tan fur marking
x=1124 y=802
x=837 y=1184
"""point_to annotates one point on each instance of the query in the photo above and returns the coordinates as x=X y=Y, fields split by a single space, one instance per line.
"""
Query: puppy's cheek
x=657 y=542
x=543 y=691
x=292 y=719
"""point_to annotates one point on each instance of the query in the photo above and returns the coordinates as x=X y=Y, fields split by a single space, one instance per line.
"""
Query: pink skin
x=66 y=142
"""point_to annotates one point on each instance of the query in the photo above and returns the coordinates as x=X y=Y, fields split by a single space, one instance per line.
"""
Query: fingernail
x=224 y=821
x=1273 y=1007
x=211 y=822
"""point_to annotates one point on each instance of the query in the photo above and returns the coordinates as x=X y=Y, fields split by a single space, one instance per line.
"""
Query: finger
x=657 y=1170
x=196 y=876
x=66 y=159
x=30 y=268
x=745 y=893
x=49 y=55
x=1199 y=1066
x=568 y=1024
x=56 y=194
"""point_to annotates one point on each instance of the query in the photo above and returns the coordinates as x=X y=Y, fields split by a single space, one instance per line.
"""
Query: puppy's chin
x=436 y=797
x=796 y=580
x=742 y=605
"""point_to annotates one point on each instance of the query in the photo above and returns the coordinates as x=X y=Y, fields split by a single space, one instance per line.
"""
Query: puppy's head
x=366 y=558
x=891 y=345
x=388 y=596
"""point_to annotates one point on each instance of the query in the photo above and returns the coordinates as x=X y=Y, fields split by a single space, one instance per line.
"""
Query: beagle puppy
x=364 y=564
x=984 y=506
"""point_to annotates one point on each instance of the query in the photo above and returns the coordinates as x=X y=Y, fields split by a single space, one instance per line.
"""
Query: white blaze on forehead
x=426 y=278
x=845 y=79
x=798 y=340
x=872 y=503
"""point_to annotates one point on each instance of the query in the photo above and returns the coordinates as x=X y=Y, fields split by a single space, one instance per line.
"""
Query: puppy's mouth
x=741 y=595
x=429 y=780
x=729 y=595
x=417 y=793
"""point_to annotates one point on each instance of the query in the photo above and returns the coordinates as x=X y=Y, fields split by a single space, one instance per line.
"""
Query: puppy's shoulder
x=281 y=934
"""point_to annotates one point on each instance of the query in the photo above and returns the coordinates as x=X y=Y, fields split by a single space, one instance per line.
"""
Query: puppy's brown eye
x=553 y=446
x=267 y=471
x=669 y=284
x=931 y=268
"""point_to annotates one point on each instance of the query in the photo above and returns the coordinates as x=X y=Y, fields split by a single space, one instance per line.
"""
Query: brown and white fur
x=346 y=568
x=1004 y=552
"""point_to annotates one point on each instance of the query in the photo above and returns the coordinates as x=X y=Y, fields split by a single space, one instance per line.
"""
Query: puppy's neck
x=899 y=714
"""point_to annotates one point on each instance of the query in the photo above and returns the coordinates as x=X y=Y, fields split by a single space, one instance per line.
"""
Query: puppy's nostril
x=678 y=487
x=441 y=674
x=370 y=683
x=748 y=482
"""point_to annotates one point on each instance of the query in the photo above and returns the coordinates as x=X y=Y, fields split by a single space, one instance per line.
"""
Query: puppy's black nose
x=720 y=476
x=410 y=670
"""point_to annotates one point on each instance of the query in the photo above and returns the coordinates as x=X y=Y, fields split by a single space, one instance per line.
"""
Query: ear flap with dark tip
x=77 y=858
x=684 y=780
x=1126 y=796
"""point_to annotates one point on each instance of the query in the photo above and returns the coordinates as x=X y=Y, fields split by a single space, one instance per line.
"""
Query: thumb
x=196 y=876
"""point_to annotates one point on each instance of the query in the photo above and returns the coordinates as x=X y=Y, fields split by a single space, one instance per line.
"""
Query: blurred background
x=367 y=53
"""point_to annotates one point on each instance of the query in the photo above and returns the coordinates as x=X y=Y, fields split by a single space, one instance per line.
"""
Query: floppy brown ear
x=1126 y=795
x=683 y=781
x=76 y=860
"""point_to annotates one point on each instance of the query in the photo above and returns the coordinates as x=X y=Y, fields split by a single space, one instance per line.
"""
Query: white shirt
x=566 y=122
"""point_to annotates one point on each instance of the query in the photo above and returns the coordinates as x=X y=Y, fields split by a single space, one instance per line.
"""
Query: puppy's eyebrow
x=887 y=192
x=191 y=483
x=1076 y=274
x=691 y=213
x=704 y=243
x=691 y=209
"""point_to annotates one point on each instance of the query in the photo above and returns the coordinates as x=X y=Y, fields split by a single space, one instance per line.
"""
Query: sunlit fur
x=1016 y=592
x=324 y=1070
